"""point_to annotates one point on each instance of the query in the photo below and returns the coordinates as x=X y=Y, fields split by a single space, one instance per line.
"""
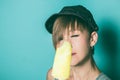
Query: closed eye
x=75 y=35
x=60 y=38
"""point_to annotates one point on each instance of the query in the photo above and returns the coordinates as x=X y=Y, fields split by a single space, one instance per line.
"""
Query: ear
x=94 y=38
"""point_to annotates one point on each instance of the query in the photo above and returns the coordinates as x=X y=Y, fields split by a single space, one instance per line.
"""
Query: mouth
x=74 y=54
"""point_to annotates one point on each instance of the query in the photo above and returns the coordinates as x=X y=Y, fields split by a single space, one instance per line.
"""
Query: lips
x=73 y=54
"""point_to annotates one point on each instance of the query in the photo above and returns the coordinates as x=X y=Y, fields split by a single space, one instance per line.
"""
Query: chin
x=73 y=64
x=77 y=63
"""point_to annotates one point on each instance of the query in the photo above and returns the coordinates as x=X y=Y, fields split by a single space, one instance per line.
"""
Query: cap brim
x=49 y=23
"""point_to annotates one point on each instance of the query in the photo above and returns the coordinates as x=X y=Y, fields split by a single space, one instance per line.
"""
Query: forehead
x=69 y=30
x=72 y=28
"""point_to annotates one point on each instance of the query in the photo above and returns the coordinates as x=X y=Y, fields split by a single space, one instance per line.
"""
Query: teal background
x=26 y=49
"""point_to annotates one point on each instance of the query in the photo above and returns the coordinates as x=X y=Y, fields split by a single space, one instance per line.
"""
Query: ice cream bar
x=62 y=60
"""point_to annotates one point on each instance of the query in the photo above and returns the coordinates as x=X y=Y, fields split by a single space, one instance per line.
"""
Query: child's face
x=80 y=45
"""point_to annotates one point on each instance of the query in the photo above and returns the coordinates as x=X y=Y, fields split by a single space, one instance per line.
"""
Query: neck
x=84 y=71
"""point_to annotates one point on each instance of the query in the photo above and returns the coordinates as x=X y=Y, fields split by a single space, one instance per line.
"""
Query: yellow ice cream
x=61 y=66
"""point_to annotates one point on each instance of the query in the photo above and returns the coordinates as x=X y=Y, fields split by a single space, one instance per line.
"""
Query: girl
x=76 y=25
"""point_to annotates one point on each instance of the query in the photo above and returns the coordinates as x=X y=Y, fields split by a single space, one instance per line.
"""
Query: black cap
x=78 y=10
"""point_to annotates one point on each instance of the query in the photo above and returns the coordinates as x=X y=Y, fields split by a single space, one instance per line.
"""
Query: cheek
x=80 y=46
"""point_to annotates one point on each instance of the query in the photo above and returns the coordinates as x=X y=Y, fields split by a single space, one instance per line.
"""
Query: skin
x=81 y=66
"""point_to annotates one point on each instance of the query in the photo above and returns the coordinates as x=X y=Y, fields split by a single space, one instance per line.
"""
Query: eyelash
x=71 y=36
x=74 y=35
x=60 y=39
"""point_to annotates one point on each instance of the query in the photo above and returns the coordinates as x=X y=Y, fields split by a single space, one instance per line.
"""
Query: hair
x=64 y=22
x=67 y=21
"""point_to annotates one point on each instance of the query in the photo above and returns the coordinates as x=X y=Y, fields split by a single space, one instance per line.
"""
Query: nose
x=69 y=40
